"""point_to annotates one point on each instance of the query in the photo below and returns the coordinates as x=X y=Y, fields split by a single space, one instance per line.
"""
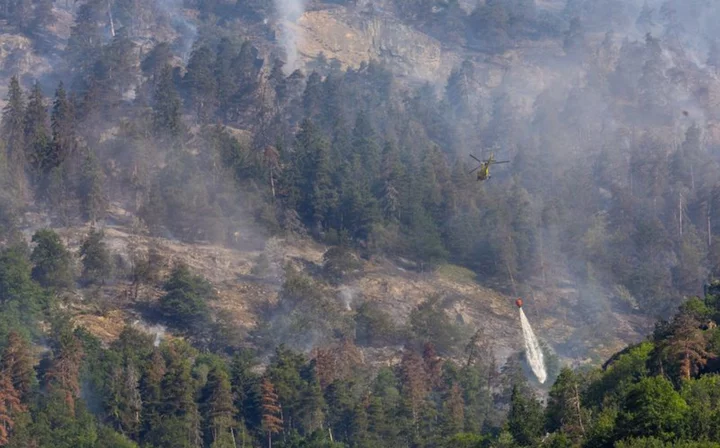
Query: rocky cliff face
x=356 y=37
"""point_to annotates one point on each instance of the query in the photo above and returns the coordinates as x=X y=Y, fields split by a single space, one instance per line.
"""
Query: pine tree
x=59 y=193
x=13 y=132
x=63 y=377
x=178 y=400
x=201 y=84
x=151 y=392
x=185 y=302
x=224 y=77
x=271 y=412
x=93 y=200
x=133 y=401
x=123 y=401
x=244 y=66
x=246 y=389
x=52 y=261
x=312 y=404
x=365 y=146
x=21 y=14
x=114 y=73
x=62 y=122
x=156 y=61
x=653 y=84
x=313 y=96
x=10 y=406
x=221 y=410
x=43 y=14
x=85 y=42
x=564 y=409
x=433 y=364
x=525 y=421
x=458 y=89
x=391 y=183
x=314 y=182
x=279 y=83
x=415 y=384
x=245 y=97
x=686 y=345
x=37 y=135
x=167 y=122
x=17 y=364
x=454 y=415
x=95 y=258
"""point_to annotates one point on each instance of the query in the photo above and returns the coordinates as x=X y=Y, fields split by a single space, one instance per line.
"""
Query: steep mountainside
x=354 y=34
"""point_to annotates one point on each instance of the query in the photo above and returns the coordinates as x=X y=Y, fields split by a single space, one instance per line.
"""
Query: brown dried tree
x=271 y=411
x=17 y=363
x=433 y=364
x=64 y=373
x=688 y=345
x=10 y=404
x=414 y=382
x=455 y=410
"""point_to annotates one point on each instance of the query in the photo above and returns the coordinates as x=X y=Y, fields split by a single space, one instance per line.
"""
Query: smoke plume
x=185 y=28
x=288 y=12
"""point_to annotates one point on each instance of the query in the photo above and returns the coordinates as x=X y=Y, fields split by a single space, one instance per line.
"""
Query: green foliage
x=52 y=263
x=623 y=371
x=21 y=299
x=338 y=261
x=93 y=201
x=525 y=420
x=429 y=322
x=565 y=407
x=95 y=258
x=167 y=123
x=465 y=440
x=652 y=442
x=652 y=407
x=374 y=327
x=185 y=303
x=703 y=399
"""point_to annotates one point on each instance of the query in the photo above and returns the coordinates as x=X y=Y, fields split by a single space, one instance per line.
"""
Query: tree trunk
x=512 y=279
x=680 y=213
x=112 y=24
x=579 y=410
x=709 y=228
x=272 y=183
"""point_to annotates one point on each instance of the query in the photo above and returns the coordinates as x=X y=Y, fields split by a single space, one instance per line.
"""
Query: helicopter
x=484 y=167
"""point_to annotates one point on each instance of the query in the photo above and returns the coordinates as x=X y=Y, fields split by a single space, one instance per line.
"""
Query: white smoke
x=187 y=30
x=532 y=349
x=289 y=11
x=157 y=330
x=347 y=296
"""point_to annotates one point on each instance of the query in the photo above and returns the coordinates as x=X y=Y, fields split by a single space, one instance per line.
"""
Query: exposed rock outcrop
x=353 y=38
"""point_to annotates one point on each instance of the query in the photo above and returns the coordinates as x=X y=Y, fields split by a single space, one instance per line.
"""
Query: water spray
x=532 y=346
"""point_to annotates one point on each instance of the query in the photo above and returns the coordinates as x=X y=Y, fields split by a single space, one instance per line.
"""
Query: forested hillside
x=302 y=231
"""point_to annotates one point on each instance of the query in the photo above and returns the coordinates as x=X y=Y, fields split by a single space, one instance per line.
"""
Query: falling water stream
x=532 y=348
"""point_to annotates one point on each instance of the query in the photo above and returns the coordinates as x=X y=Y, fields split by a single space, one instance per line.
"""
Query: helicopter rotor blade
x=474 y=169
x=476 y=158
x=502 y=161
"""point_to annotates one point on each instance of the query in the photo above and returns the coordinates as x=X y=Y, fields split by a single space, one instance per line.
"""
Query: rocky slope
x=243 y=289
